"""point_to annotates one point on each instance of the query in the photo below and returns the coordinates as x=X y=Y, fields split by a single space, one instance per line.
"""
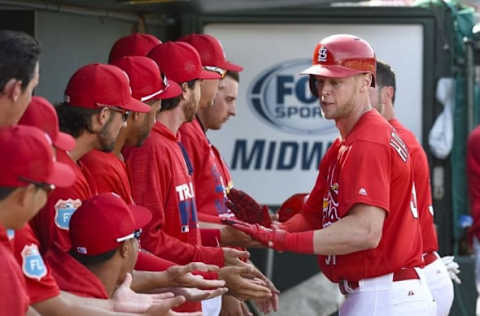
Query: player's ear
x=135 y=116
x=13 y=89
x=23 y=195
x=124 y=249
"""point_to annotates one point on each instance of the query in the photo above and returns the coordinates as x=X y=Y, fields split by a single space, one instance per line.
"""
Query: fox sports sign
x=281 y=97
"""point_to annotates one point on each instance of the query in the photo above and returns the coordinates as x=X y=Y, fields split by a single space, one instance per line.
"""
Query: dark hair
x=18 y=57
x=5 y=192
x=169 y=104
x=234 y=75
x=93 y=260
x=74 y=119
x=385 y=77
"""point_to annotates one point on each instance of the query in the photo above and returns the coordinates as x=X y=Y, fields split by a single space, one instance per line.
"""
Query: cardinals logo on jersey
x=32 y=262
x=64 y=210
x=330 y=205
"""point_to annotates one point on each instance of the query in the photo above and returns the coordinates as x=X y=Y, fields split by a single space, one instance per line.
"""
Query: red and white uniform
x=51 y=224
x=64 y=266
x=372 y=166
x=108 y=172
x=14 y=299
x=40 y=284
x=211 y=177
x=439 y=281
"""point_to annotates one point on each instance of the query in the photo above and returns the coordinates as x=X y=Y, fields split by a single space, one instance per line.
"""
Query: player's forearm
x=144 y=281
x=360 y=230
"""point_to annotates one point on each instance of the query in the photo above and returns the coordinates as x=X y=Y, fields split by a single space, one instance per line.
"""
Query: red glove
x=277 y=239
x=247 y=209
x=292 y=206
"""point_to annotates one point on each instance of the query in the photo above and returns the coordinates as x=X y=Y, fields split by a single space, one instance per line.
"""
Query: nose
x=232 y=109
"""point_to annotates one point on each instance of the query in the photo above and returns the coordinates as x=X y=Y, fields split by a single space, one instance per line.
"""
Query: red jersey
x=473 y=167
x=370 y=166
x=40 y=284
x=51 y=224
x=14 y=299
x=66 y=268
x=211 y=177
x=421 y=179
x=161 y=181
x=108 y=172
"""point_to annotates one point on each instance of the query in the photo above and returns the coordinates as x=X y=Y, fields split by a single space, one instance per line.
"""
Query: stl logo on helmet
x=322 y=55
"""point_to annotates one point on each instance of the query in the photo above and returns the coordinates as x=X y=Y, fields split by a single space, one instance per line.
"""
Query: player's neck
x=347 y=123
x=83 y=144
x=201 y=116
x=120 y=142
x=172 y=119
x=107 y=273
x=388 y=112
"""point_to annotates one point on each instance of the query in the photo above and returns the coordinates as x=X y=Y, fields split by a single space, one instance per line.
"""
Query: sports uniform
x=161 y=181
x=40 y=283
x=438 y=279
x=51 y=224
x=108 y=173
x=211 y=173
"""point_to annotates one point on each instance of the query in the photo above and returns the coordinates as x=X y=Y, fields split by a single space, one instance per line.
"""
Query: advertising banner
x=275 y=142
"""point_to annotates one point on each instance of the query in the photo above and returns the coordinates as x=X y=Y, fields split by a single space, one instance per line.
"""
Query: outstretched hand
x=181 y=276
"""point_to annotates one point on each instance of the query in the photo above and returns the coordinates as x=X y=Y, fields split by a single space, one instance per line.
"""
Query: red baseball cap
x=103 y=222
x=211 y=52
x=146 y=79
x=28 y=157
x=98 y=85
x=41 y=113
x=136 y=44
x=180 y=62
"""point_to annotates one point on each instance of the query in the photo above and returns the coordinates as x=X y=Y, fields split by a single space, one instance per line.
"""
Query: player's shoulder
x=371 y=128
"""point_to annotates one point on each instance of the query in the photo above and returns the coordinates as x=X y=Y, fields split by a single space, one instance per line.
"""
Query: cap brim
x=173 y=90
x=64 y=141
x=141 y=214
x=136 y=106
x=232 y=67
x=205 y=74
x=330 y=71
x=62 y=175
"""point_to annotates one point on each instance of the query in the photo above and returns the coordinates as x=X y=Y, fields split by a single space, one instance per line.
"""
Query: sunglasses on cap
x=218 y=70
x=136 y=234
x=41 y=185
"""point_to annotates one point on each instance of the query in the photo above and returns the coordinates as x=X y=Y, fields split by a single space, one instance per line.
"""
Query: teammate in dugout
x=361 y=216
x=211 y=177
x=382 y=97
x=160 y=172
x=18 y=77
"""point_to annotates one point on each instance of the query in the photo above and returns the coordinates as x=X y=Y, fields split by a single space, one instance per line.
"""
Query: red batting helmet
x=341 y=56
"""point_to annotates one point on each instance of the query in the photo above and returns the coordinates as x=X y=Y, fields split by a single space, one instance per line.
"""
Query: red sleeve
x=148 y=262
x=13 y=299
x=421 y=177
x=210 y=237
x=150 y=184
x=365 y=176
x=51 y=224
x=40 y=283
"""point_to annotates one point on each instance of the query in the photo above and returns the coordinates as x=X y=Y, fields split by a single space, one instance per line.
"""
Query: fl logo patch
x=32 y=262
x=64 y=210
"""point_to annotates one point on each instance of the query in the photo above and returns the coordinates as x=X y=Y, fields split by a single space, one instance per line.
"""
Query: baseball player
x=382 y=98
x=19 y=76
x=136 y=44
x=98 y=103
x=107 y=170
x=210 y=173
x=23 y=192
x=361 y=216
x=160 y=171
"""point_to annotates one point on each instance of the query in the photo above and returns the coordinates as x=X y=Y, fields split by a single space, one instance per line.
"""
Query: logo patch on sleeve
x=10 y=234
x=64 y=209
x=32 y=262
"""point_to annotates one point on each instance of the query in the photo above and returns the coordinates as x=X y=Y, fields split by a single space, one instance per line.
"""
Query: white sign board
x=274 y=144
